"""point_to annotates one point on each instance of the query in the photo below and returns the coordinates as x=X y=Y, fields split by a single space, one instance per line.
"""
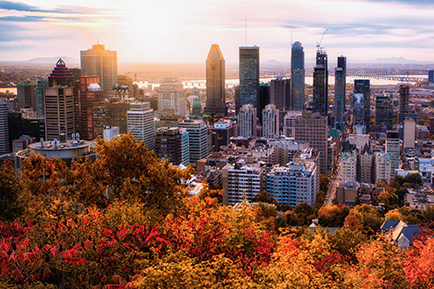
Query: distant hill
x=51 y=60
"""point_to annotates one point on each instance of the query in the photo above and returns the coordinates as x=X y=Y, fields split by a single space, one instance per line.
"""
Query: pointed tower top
x=215 y=53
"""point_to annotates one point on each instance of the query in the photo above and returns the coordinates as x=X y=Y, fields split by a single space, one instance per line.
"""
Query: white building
x=392 y=148
x=348 y=167
x=270 y=121
x=383 y=167
x=241 y=181
x=198 y=139
x=289 y=123
x=140 y=120
x=247 y=121
x=171 y=95
x=294 y=184
x=360 y=140
x=409 y=139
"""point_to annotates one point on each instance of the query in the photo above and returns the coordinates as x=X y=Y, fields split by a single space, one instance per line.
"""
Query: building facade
x=280 y=93
x=90 y=93
x=312 y=128
x=294 y=183
x=4 y=127
x=320 y=83
x=249 y=75
x=383 y=111
x=198 y=139
x=140 y=120
x=270 y=121
x=103 y=63
x=340 y=93
x=297 y=77
x=362 y=102
x=215 y=82
x=392 y=149
x=171 y=95
x=247 y=121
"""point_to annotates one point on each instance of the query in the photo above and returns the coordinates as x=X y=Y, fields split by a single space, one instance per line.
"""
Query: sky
x=167 y=31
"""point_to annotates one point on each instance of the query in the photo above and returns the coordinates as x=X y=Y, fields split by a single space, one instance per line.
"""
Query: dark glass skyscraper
x=362 y=102
x=215 y=82
x=249 y=75
x=264 y=98
x=384 y=111
x=320 y=83
x=340 y=81
x=297 y=77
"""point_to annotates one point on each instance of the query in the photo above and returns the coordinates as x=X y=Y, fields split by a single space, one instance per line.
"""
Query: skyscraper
x=431 y=76
x=4 y=130
x=340 y=82
x=264 y=98
x=270 y=121
x=362 y=102
x=168 y=144
x=171 y=95
x=404 y=98
x=141 y=123
x=26 y=94
x=215 y=82
x=320 y=83
x=297 y=77
x=247 y=121
x=90 y=93
x=198 y=139
x=249 y=75
x=312 y=128
x=60 y=103
x=280 y=93
x=392 y=150
x=383 y=111
x=103 y=63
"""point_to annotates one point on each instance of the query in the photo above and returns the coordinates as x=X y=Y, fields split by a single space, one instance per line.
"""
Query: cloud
x=23 y=7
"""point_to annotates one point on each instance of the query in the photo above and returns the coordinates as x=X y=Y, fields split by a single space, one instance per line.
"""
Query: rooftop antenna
x=245 y=30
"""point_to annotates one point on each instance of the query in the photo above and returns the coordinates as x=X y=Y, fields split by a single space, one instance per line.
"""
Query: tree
x=353 y=223
x=324 y=183
x=265 y=197
x=304 y=213
x=333 y=216
x=10 y=192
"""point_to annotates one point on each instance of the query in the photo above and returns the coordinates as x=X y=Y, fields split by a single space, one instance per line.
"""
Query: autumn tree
x=11 y=205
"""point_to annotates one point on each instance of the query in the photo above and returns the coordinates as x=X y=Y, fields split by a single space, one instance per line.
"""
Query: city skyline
x=173 y=31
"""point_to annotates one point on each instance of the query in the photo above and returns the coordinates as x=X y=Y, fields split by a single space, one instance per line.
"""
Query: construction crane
x=318 y=43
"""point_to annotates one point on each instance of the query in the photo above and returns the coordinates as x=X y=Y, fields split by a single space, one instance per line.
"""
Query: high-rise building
x=264 y=99
x=280 y=93
x=26 y=94
x=198 y=139
x=297 y=77
x=320 y=83
x=60 y=111
x=4 y=130
x=289 y=123
x=247 y=121
x=40 y=84
x=103 y=63
x=392 y=150
x=383 y=167
x=90 y=93
x=141 y=123
x=431 y=76
x=270 y=121
x=110 y=113
x=362 y=102
x=294 y=183
x=364 y=165
x=409 y=138
x=312 y=128
x=383 y=111
x=348 y=163
x=225 y=129
x=340 y=82
x=249 y=75
x=241 y=181
x=404 y=98
x=168 y=144
x=215 y=82
x=61 y=75
x=171 y=95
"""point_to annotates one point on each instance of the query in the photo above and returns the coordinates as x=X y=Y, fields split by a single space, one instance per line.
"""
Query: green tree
x=264 y=197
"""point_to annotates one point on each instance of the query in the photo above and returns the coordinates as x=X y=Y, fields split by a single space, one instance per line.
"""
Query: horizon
x=363 y=30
